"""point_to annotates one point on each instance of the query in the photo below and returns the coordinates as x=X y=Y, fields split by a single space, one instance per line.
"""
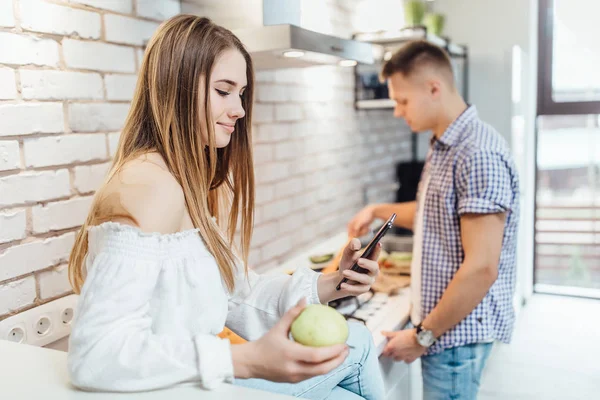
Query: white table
x=28 y=372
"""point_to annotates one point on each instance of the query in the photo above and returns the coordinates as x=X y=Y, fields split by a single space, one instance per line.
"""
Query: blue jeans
x=454 y=373
x=357 y=377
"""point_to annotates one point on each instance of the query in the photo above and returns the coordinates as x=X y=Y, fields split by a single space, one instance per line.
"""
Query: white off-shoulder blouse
x=152 y=306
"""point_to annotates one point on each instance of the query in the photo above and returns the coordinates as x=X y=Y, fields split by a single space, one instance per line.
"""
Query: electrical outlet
x=41 y=325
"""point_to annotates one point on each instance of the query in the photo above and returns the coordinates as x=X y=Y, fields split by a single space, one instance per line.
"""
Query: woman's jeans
x=357 y=377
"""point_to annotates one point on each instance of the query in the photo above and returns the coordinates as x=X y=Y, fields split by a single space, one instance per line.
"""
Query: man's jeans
x=454 y=373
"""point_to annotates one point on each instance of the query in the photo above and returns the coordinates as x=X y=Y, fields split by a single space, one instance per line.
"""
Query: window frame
x=546 y=104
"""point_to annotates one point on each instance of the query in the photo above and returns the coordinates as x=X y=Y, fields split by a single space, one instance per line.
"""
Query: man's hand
x=403 y=346
x=405 y=216
x=359 y=225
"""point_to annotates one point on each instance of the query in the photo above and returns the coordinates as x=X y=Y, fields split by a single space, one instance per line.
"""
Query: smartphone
x=370 y=248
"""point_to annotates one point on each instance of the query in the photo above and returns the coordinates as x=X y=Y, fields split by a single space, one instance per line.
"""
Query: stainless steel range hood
x=271 y=31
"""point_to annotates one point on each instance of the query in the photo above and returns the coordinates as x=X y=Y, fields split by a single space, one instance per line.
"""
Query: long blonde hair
x=170 y=114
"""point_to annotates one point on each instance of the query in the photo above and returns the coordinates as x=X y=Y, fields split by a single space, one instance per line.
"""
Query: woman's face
x=227 y=85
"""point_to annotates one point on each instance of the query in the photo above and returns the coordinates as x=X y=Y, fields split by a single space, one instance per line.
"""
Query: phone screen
x=370 y=247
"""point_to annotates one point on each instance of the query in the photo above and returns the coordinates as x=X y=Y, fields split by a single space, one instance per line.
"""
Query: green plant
x=414 y=10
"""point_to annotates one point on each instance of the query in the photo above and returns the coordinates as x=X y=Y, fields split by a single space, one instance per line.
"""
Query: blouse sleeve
x=259 y=301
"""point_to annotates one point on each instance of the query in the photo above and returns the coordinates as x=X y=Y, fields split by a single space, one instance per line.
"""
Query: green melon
x=319 y=325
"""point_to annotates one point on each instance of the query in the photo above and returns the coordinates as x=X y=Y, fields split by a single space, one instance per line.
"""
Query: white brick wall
x=272 y=93
x=17 y=294
x=276 y=132
x=97 y=117
x=128 y=30
x=65 y=87
x=40 y=16
x=158 y=9
x=264 y=194
x=263 y=153
x=98 y=56
x=14 y=225
x=9 y=155
x=123 y=6
x=313 y=153
x=275 y=210
x=61 y=214
x=58 y=85
x=64 y=149
x=287 y=150
x=120 y=87
x=271 y=172
x=264 y=233
x=288 y=112
x=29 y=118
x=67 y=75
x=277 y=247
x=88 y=178
x=8 y=84
x=139 y=56
x=113 y=142
x=289 y=187
x=30 y=187
x=263 y=113
x=292 y=224
x=7 y=17
x=30 y=257
x=54 y=282
x=21 y=50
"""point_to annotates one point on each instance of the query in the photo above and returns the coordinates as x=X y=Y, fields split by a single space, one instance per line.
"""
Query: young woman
x=157 y=272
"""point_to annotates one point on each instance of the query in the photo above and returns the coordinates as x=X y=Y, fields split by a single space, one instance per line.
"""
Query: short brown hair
x=414 y=55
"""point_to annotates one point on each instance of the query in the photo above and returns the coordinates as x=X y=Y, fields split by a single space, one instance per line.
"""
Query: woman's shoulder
x=147 y=195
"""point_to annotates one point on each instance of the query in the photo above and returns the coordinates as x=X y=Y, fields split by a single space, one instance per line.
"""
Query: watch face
x=425 y=338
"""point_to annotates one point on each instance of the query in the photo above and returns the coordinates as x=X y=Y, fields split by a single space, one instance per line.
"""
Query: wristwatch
x=425 y=337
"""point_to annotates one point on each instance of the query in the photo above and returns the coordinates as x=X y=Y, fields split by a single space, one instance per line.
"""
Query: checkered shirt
x=472 y=171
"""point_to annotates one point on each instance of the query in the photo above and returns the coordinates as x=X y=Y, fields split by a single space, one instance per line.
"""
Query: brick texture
x=68 y=71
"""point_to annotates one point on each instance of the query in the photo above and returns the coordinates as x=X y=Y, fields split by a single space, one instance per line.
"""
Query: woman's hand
x=358 y=282
x=277 y=358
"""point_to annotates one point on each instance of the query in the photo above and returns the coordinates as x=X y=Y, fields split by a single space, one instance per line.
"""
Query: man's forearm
x=405 y=213
x=466 y=290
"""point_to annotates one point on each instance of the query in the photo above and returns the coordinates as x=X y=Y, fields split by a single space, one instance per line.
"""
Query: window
x=569 y=82
x=567 y=217
x=567 y=236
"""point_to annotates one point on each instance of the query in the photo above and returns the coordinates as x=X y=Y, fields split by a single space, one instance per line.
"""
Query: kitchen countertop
x=302 y=259
x=27 y=371
x=393 y=317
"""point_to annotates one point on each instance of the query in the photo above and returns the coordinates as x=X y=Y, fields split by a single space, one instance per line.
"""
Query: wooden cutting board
x=390 y=284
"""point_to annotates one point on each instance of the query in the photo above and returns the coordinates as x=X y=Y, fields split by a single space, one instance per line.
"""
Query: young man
x=465 y=228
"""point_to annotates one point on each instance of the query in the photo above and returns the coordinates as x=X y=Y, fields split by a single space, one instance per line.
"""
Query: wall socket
x=41 y=325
